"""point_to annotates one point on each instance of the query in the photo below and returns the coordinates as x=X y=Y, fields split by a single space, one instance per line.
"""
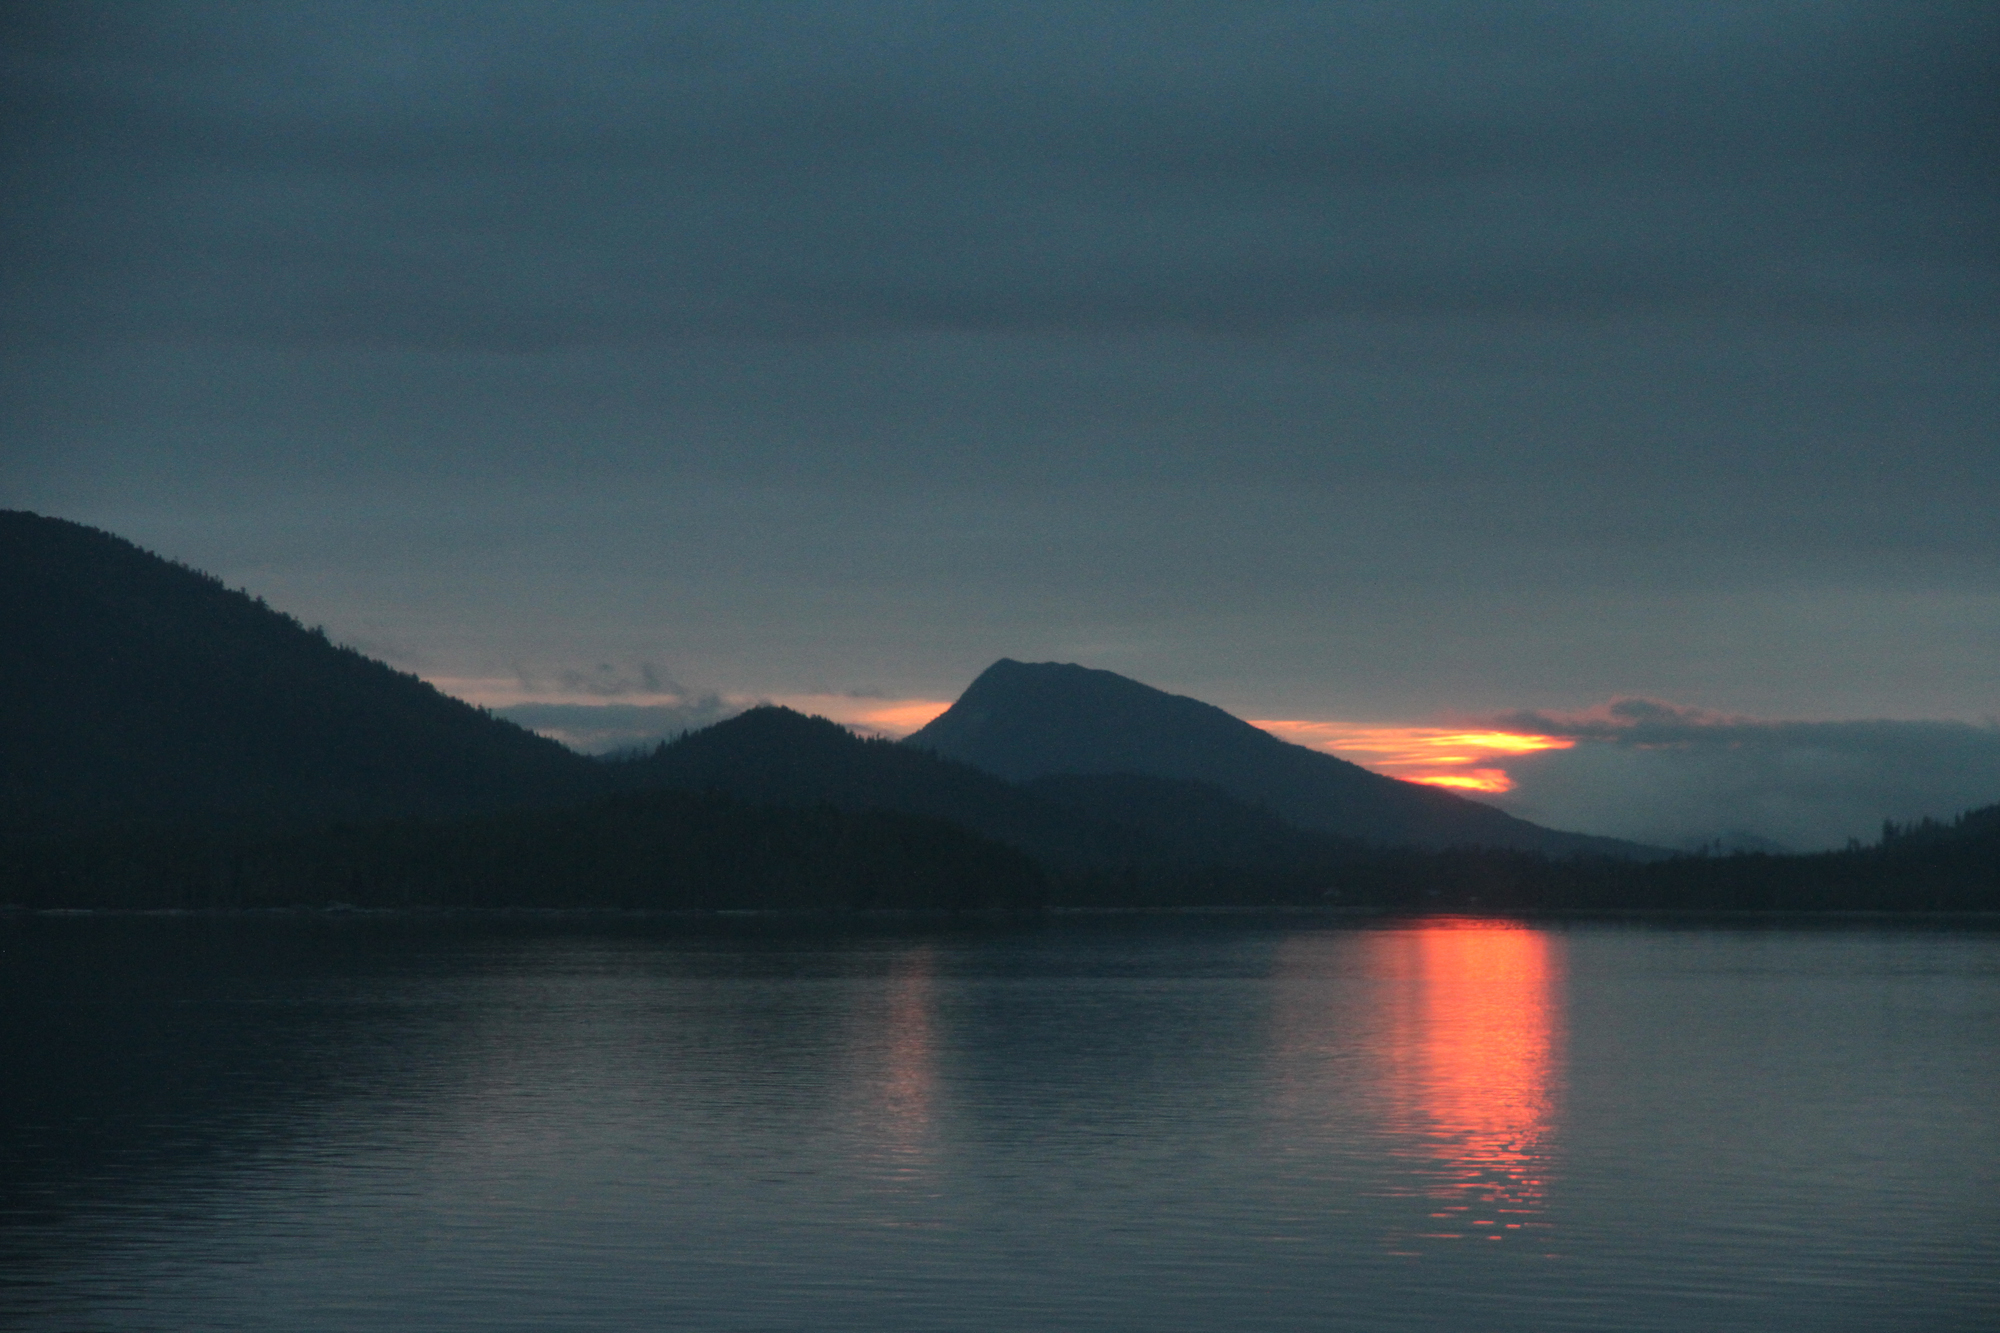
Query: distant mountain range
x=165 y=741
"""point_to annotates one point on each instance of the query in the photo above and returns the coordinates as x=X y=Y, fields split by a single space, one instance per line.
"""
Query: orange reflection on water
x=1473 y=1053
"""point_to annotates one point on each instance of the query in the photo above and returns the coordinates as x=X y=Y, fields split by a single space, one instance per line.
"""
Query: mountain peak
x=1028 y=719
x=1024 y=720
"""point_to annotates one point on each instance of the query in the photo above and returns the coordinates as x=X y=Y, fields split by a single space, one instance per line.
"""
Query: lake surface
x=359 y=1123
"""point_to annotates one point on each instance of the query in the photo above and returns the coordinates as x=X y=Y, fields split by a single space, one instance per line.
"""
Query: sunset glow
x=1438 y=756
x=882 y=717
x=1477 y=779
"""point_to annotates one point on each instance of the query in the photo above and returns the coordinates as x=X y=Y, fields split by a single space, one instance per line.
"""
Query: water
x=302 y=1124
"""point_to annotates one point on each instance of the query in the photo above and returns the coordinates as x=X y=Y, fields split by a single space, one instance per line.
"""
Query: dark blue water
x=313 y=1123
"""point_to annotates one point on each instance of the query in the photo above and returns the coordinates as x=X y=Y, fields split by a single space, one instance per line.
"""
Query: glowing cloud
x=1438 y=756
x=1478 y=779
x=878 y=717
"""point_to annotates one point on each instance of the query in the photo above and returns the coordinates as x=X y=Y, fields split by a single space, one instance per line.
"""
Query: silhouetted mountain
x=132 y=687
x=167 y=742
x=1106 y=839
x=777 y=756
x=1022 y=721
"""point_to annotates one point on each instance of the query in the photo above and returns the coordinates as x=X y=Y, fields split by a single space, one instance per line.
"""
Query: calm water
x=372 y=1124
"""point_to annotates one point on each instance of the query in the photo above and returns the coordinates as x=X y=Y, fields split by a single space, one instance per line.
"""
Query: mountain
x=1023 y=721
x=167 y=742
x=1114 y=839
x=135 y=688
x=775 y=756
x=158 y=729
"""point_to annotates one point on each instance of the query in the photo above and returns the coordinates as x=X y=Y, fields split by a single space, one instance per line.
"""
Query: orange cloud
x=883 y=717
x=1438 y=756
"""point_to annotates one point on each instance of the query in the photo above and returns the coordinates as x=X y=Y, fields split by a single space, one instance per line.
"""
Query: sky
x=1393 y=366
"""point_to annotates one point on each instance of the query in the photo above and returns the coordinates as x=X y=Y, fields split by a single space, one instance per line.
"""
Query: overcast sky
x=1390 y=361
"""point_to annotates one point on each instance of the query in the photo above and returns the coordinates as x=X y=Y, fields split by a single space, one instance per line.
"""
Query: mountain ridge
x=134 y=687
x=168 y=742
x=777 y=756
x=1023 y=721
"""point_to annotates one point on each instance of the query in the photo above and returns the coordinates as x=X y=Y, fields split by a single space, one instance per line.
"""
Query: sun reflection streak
x=895 y=1088
x=909 y=1085
x=1475 y=1048
x=1436 y=1051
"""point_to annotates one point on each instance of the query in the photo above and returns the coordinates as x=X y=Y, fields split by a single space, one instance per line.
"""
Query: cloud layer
x=526 y=176
x=1326 y=359
x=1682 y=776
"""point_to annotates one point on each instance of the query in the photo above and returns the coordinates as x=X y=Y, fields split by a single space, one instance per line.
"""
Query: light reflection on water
x=893 y=1086
x=1474 y=1052
x=1445 y=1051
x=908 y=1085
x=1441 y=1124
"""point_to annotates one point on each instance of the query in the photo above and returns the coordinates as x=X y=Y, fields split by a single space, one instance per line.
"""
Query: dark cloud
x=520 y=178
x=1322 y=359
x=1684 y=776
x=607 y=680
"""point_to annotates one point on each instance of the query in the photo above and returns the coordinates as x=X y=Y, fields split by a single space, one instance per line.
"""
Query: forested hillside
x=135 y=688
